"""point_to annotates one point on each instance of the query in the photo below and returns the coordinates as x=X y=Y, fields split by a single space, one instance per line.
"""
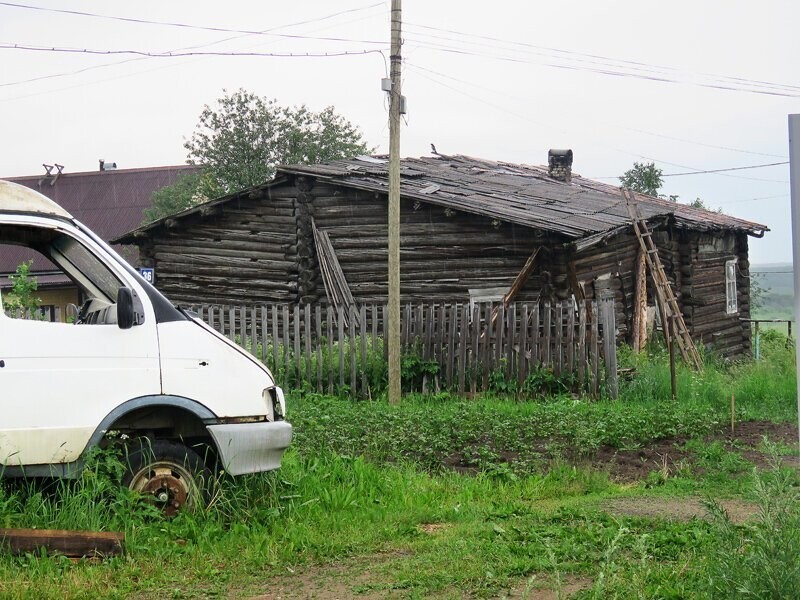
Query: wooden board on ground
x=69 y=543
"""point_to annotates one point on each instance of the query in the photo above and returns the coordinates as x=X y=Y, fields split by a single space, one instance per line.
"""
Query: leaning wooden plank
x=520 y=279
x=69 y=543
x=336 y=287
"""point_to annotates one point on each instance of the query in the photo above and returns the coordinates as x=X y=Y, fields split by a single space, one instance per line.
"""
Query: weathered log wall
x=703 y=258
x=443 y=253
x=248 y=250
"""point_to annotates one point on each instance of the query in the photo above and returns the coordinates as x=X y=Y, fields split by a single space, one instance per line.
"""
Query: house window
x=730 y=287
x=482 y=295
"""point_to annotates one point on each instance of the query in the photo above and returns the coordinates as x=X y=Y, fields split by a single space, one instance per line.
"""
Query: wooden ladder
x=668 y=303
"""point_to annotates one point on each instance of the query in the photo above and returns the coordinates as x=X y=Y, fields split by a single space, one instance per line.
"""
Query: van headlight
x=274 y=398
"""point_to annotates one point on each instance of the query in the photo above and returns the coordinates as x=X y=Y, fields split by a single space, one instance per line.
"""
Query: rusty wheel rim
x=169 y=486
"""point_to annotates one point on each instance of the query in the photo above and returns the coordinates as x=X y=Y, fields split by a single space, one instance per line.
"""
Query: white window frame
x=731 y=300
x=482 y=295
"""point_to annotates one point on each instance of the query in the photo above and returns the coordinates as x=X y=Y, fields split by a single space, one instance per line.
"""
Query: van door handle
x=2 y=363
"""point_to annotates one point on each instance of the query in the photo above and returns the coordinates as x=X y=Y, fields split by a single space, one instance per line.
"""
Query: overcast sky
x=616 y=81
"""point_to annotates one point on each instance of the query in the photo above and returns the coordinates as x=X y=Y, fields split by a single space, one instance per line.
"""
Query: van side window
x=31 y=287
x=46 y=275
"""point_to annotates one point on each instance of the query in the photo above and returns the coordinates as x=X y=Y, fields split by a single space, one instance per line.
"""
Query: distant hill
x=777 y=281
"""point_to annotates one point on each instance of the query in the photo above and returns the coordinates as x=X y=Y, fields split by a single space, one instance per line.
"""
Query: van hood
x=225 y=340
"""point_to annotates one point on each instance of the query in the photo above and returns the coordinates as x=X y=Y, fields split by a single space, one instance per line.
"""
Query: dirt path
x=679 y=509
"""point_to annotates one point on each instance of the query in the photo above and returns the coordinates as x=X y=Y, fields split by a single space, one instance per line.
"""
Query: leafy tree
x=698 y=203
x=644 y=178
x=758 y=292
x=23 y=288
x=174 y=198
x=239 y=143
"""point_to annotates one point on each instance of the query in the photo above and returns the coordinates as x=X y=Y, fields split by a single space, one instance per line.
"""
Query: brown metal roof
x=522 y=194
x=108 y=202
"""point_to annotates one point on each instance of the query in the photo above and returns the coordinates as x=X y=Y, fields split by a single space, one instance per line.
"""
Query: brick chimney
x=559 y=165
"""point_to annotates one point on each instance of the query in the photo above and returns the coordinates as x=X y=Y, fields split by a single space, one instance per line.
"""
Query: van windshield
x=86 y=263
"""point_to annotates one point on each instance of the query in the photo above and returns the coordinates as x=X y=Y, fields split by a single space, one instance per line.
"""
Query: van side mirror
x=127 y=304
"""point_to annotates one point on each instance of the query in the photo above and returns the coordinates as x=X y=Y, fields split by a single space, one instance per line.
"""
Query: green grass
x=364 y=481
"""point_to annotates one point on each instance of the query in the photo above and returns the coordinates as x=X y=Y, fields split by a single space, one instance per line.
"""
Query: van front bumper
x=251 y=447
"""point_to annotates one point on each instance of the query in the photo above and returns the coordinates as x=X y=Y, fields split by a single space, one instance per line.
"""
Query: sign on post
x=148 y=273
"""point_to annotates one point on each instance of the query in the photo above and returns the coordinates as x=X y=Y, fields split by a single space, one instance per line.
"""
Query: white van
x=131 y=363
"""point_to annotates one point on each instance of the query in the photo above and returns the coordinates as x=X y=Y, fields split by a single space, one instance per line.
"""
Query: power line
x=725 y=170
x=696 y=143
x=421 y=71
x=608 y=71
x=631 y=63
x=753 y=199
x=594 y=58
x=227 y=39
x=180 y=54
x=190 y=26
x=683 y=140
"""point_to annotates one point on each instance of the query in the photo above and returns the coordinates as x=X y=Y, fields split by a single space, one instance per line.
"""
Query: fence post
x=329 y=363
x=307 y=343
x=595 y=350
x=511 y=325
x=548 y=315
x=296 y=353
x=608 y=316
x=318 y=325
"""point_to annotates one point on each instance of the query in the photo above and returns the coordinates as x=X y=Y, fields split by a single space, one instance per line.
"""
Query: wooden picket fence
x=459 y=347
x=43 y=313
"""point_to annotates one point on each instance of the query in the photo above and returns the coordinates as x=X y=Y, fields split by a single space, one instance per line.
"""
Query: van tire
x=171 y=475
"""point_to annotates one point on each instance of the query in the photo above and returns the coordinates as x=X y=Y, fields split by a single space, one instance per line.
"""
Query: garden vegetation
x=450 y=497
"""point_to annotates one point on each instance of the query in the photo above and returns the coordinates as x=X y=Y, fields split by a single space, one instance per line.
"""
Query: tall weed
x=759 y=559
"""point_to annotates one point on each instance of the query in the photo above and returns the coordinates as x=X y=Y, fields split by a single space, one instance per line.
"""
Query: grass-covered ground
x=452 y=498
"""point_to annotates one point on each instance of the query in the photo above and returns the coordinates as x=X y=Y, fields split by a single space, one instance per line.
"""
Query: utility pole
x=794 y=172
x=394 y=207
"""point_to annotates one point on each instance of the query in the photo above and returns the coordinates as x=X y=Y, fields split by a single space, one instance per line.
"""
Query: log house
x=471 y=230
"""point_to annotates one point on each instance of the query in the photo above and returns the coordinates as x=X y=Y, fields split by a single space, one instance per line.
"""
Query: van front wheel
x=168 y=473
